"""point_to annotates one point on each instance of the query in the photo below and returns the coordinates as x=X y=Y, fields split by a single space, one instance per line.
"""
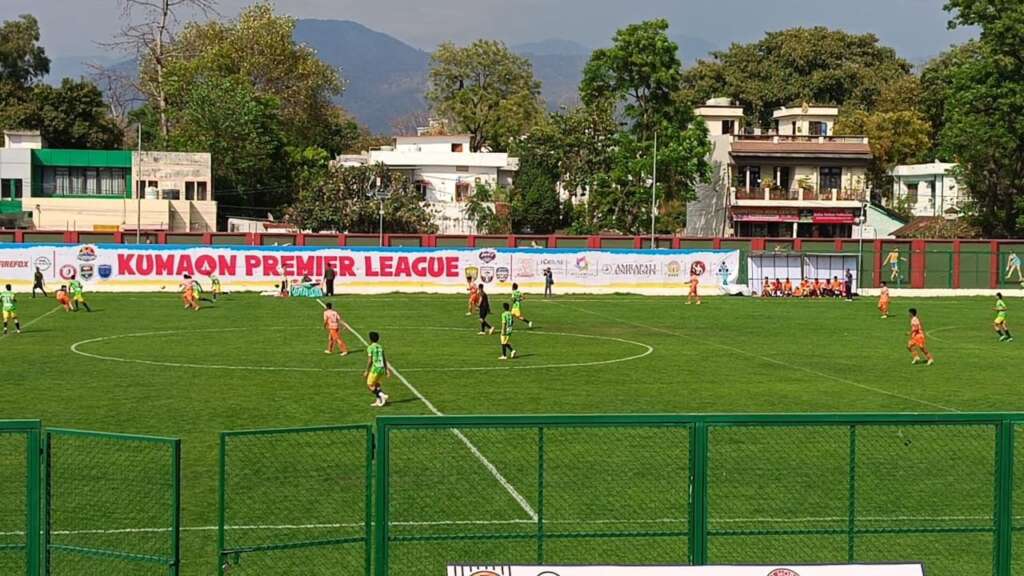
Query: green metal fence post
x=699 y=494
x=851 y=505
x=221 y=504
x=540 y=495
x=368 y=504
x=381 y=532
x=48 y=492
x=33 y=503
x=175 y=565
x=1004 y=498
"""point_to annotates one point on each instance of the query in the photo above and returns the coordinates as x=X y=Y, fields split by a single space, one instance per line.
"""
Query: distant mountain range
x=385 y=78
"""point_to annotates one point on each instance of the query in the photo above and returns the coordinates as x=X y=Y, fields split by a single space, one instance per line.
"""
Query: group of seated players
x=807 y=288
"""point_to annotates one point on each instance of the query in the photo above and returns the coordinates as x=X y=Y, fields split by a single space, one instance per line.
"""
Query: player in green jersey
x=507 y=319
x=1000 y=325
x=77 y=294
x=517 y=305
x=9 y=306
x=376 y=368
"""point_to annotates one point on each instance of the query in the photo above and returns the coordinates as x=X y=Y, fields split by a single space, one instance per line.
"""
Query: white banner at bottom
x=776 y=570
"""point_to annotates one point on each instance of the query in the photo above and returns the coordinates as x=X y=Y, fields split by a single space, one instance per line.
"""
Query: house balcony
x=799 y=197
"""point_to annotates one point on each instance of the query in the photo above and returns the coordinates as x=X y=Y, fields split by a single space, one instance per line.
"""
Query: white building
x=88 y=190
x=927 y=189
x=444 y=172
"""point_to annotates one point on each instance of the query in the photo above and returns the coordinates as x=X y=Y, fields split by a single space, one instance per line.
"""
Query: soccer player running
x=9 y=307
x=376 y=368
x=62 y=298
x=917 y=340
x=517 y=305
x=883 y=300
x=188 y=296
x=484 y=309
x=999 y=323
x=332 y=323
x=37 y=283
x=474 y=296
x=507 y=351
x=78 y=294
x=693 y=295
x=215 y=286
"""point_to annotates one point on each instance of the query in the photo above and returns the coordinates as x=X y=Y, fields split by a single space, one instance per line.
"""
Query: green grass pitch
x=141 y=364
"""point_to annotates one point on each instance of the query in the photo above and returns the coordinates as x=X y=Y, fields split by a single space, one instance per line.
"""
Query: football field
x=141 y=364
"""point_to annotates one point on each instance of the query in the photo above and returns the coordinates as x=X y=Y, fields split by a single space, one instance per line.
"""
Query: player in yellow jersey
x=517 y=305
x=376 y=369
x=507 y=319
x=9 y=305
x=1001 y=328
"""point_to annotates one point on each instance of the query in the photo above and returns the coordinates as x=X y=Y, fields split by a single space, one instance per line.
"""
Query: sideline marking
x=32 y=321
x=76 y=349
x=458 y=434
x=770 y=360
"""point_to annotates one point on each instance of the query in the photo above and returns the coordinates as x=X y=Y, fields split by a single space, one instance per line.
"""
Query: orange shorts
x=883 y=303
x=335 y=334
x=917 y=341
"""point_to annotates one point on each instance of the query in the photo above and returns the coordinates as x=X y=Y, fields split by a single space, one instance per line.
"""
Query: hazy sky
x=916 y=28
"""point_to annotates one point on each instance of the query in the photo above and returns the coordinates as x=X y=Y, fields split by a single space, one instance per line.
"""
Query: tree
x=72 y=115
x=343 y=199
x=240 y=129
x=936 y=82
x=149 y=32
x=984 y=124
x=259 y=46
x=896 y=137
x=787 y=67
x=22 y=60
x=485 y=90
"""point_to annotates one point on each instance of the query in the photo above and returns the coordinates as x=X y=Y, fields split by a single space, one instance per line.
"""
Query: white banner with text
x=114 y=267
x=814 y=570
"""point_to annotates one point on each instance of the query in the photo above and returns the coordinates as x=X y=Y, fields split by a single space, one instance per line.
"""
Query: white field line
x=514 y=522
x=771 y=360
x=472 y=448
x=77 y=350
x=31 y=322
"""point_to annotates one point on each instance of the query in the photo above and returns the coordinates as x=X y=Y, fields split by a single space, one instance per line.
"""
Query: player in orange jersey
x=63 y=298
x=188 y=289
x=917 y=340
x=474 y=296
x=694 y=284
x=883 y=300
x=332 y=323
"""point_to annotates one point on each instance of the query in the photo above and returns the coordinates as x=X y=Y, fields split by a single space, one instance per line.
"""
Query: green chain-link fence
x=296 y=502
x=112 y=504
x=698 y=490
x=19 y=497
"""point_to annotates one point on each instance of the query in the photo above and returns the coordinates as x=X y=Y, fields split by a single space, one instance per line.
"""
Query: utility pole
x=654 y=189
x=138 y=195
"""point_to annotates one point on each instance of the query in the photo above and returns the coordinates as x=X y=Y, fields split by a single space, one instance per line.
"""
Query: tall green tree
x=640 y=75
x=22 y=60
x=984 y=114
x=343 y=199
x=896 y=137
x=485 y=90
x=787 y=67
x=936 y=83
x=72 y=115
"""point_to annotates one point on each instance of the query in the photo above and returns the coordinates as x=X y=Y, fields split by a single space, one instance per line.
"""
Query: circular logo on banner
x=87 y=253
x=43 y=263
x=68 y=271
x=697 y=269
x=783 y=572
x=674 y=268
x=485 y=573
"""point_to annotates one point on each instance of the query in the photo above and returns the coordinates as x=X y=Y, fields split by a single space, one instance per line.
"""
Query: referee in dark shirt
x=329 y=277
x=485 y=308
x=37 y=283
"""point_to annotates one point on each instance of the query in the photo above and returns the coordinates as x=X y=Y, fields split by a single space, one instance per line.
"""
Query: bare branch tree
x=149 y=32
x=121 y=92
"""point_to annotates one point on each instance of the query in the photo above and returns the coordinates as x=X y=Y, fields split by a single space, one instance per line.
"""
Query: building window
x=461 y=191
x=741 y=177
x=170 y=194
x=10 y=189
x=421 y=187
x=784 y=177
x=201 y=191
x=728 y=126
x=817 y=128
x=456 y=146
x=462 y=168
x=830 y=178
x=190 y=190
x=912 y=193
x=61 y=181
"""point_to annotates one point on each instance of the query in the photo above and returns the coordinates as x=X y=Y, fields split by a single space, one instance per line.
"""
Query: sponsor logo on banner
x=472 y=272
x=68 y=271
x=673 y=268
x=87 y=271
x=105 y=271
x=487 y=274
x=487 y=256
x=630 y=269
x=783 y=572
x=484 y=573
x=502 y=273
x=13 y=263
x=87 y=253
x=526 y=267
x=43 y=263
x=698 y=268
x=557 y=265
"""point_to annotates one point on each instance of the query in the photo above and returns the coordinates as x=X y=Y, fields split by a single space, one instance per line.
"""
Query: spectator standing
x=549 y=281
x=329 y=276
